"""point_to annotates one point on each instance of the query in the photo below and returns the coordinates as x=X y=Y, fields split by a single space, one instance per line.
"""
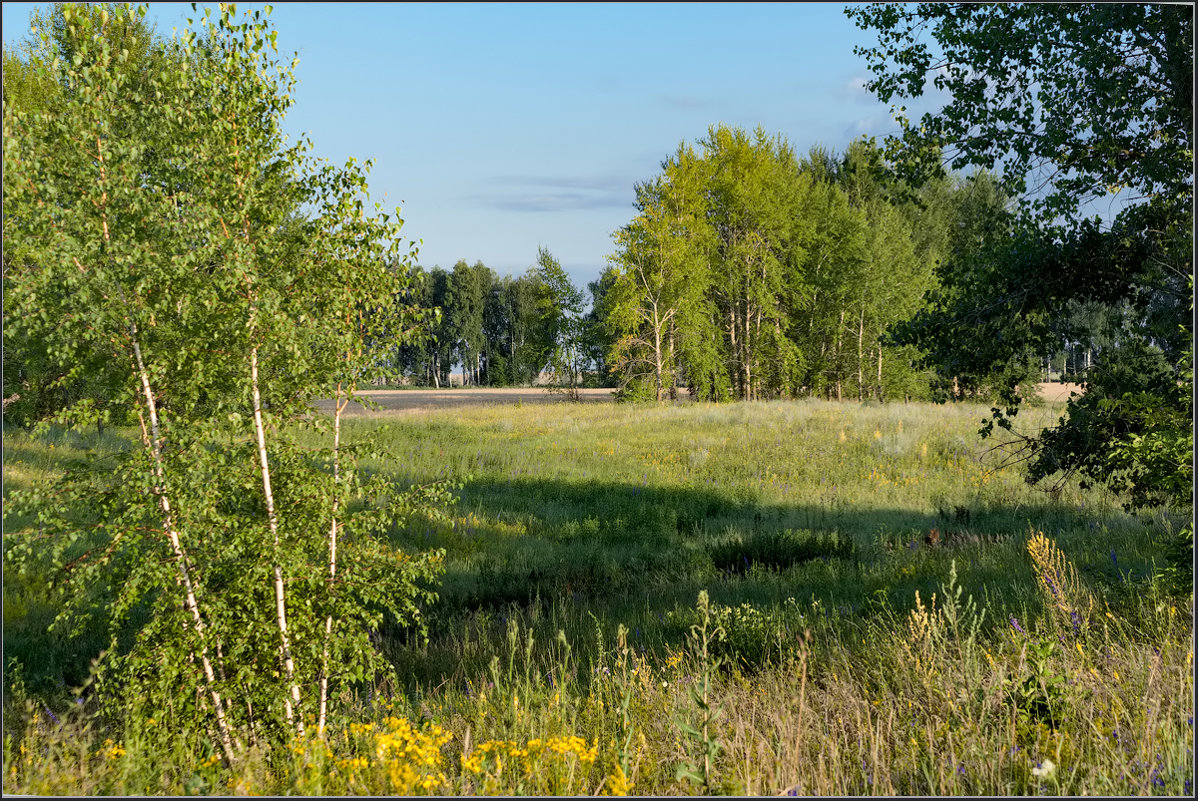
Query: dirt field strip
x=1054 y=392
x=412 y=401
x=417 y=401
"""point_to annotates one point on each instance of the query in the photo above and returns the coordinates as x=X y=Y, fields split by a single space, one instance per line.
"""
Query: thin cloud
x=528 y=193
x=853 y=89
x=685 y=102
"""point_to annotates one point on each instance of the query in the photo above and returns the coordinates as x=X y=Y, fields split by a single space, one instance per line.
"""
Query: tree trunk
x=328 y=623
x=154 y=439
x=671 y=360
x=880 y=394
x=293 y=716
x=734 y=345
x=839 y=337
x=861 y=356
x=746 y=348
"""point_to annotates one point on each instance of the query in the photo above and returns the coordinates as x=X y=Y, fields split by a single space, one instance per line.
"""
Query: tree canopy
x=1070 y=104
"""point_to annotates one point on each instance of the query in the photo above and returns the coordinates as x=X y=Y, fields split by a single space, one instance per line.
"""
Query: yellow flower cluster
x=353 y=763
x=879 y=477
x=921 y=622
x=539 y=759
x=112 y=750
x=617 y=783
x=412 y=758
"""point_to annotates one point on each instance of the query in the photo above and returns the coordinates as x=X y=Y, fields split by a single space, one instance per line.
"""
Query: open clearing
x=413 y=401
x=842 y=632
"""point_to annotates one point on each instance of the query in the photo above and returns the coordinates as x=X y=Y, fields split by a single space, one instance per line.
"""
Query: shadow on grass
x=586 y=556
x=612 y=542
x=580 y=554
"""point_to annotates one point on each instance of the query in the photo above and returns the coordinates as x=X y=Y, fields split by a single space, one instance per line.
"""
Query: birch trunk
x=328 y=623
x=671 y=360
x=293 y=718
x=733 y=343
x=746 y=350
x=657 y=366
x=836 y=356
x=154 y=442
x=861 y=355
x=180 y=556
x=880 y=398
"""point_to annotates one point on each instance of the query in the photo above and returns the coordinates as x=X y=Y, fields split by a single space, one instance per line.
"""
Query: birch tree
x=658 y=295
x=163 y=215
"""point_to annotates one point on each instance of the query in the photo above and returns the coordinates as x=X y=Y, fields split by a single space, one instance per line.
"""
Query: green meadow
x=753 y=598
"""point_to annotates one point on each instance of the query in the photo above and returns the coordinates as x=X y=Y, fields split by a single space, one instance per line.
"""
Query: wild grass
x=1026 y=651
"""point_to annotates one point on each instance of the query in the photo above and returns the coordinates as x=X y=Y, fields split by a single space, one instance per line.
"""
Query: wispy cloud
x=685 y=102
x=853 y=89
x=531 y=193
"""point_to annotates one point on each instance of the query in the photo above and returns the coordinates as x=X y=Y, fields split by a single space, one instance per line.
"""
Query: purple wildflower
x=1015 y=625
x=1077 y=622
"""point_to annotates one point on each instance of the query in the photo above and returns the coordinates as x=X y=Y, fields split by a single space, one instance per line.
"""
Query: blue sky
x=502 y=127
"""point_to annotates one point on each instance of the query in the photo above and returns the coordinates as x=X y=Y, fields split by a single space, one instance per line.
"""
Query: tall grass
x=846 y=654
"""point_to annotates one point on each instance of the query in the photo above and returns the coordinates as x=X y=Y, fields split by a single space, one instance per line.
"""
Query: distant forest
x=748 y=272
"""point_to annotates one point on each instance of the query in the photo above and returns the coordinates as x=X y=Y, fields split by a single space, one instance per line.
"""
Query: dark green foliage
x=1041 y=695
x=778 y=550
x=1091 y=96
x=1075 y=103
x=562 y=324
x=503 y=331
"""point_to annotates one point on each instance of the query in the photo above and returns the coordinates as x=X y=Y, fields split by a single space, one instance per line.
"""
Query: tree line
x=499 y=331
x=748 y=272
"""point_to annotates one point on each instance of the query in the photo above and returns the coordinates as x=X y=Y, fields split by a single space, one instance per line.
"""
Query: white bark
x=280 y=594
x=328 y=623
x=180 y=556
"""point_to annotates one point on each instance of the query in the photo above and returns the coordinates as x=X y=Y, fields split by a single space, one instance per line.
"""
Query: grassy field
x=803 y=598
